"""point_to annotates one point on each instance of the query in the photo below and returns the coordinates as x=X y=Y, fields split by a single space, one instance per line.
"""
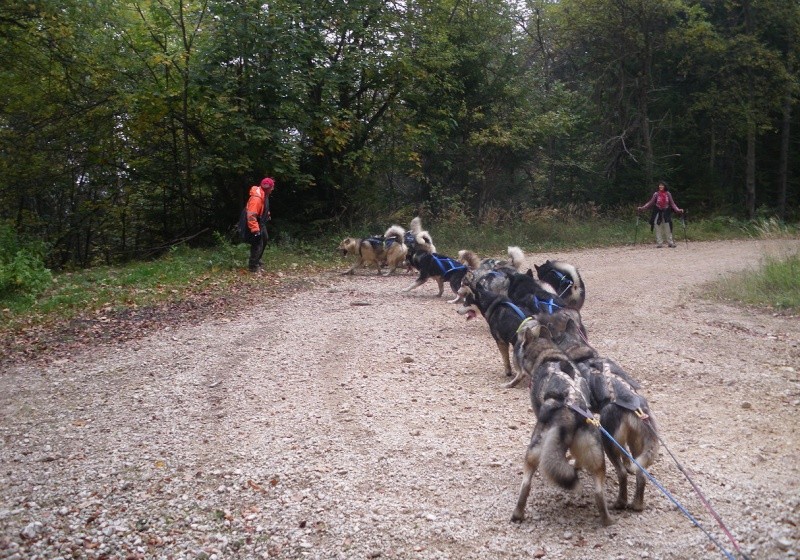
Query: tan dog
x=395 y=248
x=367 y=251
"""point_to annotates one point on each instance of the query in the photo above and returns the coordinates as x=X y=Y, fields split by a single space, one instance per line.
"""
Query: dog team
x=536 y=319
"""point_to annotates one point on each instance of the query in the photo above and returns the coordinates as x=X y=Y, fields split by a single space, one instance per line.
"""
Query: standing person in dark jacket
x=661 y=218
x=256 y=217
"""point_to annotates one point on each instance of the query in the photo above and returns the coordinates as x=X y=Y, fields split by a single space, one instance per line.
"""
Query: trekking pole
x=683 y=219
x=636 y=234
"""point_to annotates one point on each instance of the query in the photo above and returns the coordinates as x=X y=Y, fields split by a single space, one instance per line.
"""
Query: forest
x=129 y=125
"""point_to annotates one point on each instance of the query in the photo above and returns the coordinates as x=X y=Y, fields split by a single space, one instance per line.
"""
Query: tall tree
x=613 y=44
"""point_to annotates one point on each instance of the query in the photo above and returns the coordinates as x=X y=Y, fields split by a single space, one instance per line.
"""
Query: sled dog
x=565 y=280
x=624 y=413
x=395 y=249
x=502 y=316
x=419 y=239
x=556 y=388
x=494 y=271
x=368 y=251
x=433 y=265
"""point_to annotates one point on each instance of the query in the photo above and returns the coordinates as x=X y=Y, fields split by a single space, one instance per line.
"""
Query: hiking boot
x=671 y=245
x=659 y=246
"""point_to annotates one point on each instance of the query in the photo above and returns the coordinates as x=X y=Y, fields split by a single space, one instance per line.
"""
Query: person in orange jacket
x=256 y=217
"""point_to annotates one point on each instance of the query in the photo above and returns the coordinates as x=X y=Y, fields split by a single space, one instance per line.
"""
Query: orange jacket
x=257 y=208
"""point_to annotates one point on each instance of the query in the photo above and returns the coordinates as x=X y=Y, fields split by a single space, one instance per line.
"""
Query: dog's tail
x=396 y=232
x=577 y=292
x=415 y=226
x=649 y=439
x=516 y=256
x=425 y=242
x=554 y=450
x=469 y=258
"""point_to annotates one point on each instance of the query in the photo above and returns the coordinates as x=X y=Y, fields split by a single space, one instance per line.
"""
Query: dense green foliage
x=127 y=126
x=23 y=275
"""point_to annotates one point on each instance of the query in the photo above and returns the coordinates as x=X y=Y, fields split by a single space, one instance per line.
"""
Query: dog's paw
x=619 y=505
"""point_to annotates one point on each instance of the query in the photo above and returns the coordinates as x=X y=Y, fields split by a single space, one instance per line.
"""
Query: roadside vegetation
x=32 y=295
x=774 y=285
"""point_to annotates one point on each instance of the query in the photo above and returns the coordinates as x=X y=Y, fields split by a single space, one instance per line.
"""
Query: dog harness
x=447 y=265
x=515 y=309
x=563 y=280
x=548 y=305
x=375 y=240
x=380 y=241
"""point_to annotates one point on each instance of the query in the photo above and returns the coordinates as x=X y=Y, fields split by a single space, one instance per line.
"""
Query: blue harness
x=514 y=308
x=563 y=280
x=548 y=305
x=447 y=265
x=375 y=240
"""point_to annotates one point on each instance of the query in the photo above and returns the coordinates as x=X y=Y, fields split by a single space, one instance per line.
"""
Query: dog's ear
x=532 y=330
x=536 y=266
x=545 y=333
x=530 y=272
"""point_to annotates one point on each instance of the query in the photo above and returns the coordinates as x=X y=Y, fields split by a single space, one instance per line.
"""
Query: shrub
x=22 y=271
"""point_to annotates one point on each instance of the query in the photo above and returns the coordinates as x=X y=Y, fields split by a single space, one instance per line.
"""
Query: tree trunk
x=644 y=122
x=783 y=171
x=750 y=172
x=643 y=84
x=712 y=156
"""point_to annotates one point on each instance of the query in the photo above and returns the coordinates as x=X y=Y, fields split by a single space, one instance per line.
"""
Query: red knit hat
x=268 y=183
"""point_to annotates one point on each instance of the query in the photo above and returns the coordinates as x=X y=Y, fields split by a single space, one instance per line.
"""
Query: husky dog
x=555 y=322
x=493 y=281
x=522 y=284
x=536 y=298
x=565 y=280
x=395 y=248
x=436 y=266
x=495 y=271
x=624 y=413
x=368 y=251
x=420 y=240
x=556 y=392
x=510 y=266
x=492 y=274
x=503 y=317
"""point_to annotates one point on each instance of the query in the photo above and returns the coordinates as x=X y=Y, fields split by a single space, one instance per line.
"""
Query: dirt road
x=349 y=420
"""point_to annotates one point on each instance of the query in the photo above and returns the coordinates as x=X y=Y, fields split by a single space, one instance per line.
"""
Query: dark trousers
x=257 y=245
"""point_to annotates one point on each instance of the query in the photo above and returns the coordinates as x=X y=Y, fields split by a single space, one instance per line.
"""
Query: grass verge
x=184 y=272
x=775 y=285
